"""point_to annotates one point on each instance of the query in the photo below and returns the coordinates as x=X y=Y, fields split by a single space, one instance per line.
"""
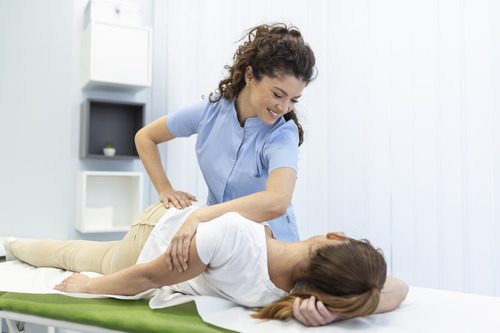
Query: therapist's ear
x=248 y=75
x=337 y=236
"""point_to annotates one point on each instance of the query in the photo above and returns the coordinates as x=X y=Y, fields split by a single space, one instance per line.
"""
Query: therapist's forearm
x=150 y=157
x=259 y=207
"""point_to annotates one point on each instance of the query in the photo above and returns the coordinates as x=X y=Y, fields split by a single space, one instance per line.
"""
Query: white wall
x=39 y=117
x=402 y=123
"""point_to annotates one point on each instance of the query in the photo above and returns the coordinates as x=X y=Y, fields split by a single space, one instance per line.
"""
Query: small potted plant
x=109 y=150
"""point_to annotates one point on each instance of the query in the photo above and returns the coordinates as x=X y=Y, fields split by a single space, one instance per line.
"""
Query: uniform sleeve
x=214 y=239
x=186 y=121
x=282 y=148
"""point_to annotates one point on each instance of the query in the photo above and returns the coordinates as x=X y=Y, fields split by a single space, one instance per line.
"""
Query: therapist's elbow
x=275 y=212
x=277 y=207
x=142 y=140
x=138 y=138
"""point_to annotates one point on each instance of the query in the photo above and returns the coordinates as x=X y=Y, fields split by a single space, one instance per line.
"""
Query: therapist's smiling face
x=273 y=97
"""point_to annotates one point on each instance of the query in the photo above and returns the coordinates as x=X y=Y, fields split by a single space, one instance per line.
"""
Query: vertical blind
x=402 y=123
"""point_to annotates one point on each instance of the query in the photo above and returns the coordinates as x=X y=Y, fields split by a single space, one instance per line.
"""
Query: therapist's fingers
x=175 y=202
x=185 y=202
x=170 y=200
x=191 y=197
x=167 y=202
x=188 y=199
x=177 y=199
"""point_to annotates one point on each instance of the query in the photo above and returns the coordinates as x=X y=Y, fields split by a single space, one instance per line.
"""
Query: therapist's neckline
x=240 y=110
x=249 y=122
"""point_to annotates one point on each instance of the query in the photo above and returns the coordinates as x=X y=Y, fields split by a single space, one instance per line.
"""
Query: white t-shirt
x=234 y=250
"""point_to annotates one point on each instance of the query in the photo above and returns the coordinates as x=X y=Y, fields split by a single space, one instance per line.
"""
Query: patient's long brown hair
x=347 y=278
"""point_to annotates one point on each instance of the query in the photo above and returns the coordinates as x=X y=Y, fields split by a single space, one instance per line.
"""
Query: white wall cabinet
x=108 y=201
x=115 y=11
x=116 y=55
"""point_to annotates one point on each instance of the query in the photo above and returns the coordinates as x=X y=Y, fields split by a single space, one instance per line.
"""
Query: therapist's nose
x=283 y=107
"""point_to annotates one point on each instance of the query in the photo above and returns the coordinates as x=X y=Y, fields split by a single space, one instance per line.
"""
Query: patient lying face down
x=234 y=258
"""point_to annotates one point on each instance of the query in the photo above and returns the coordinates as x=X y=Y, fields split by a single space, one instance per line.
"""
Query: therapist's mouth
x=273 y=114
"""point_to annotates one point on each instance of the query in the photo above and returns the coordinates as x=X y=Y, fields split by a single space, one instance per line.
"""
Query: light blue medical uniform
x=236 y=161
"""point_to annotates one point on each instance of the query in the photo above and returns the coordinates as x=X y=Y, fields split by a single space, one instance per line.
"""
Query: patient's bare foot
x=6 y=244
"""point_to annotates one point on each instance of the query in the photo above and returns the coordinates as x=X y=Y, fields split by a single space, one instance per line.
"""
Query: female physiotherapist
x=248 y=137
x=247 y=144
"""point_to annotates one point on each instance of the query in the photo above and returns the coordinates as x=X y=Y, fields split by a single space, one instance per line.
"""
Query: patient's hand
x=312 y=312
x=75 y=283
x=177 y=253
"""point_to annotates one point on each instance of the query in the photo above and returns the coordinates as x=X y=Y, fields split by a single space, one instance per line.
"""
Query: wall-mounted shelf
x=108 y=201
x=112 y=122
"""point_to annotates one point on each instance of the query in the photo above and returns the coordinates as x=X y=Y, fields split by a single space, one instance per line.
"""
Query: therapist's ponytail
x=347 y=278
x=269 y=50
x=293 y=116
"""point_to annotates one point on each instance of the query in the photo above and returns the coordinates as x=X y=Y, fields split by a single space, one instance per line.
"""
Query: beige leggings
x=81 y=255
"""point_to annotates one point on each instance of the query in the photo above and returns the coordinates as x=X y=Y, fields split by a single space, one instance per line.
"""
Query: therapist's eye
x=277 y=95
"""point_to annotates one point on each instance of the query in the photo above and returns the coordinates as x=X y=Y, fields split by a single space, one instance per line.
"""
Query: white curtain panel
x=402 y=123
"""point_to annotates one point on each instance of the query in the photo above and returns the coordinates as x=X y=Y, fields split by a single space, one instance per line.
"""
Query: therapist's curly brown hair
x=347 y=278
x=270 y=50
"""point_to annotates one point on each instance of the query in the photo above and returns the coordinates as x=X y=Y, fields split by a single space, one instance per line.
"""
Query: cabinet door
x=120 y=54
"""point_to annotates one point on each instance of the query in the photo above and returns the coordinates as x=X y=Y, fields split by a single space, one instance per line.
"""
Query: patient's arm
x=393 y=294
x=135 y=279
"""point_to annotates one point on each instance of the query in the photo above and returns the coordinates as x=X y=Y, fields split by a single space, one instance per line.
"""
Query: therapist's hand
x=177 y=199
x=177 y=253
x=312 y=312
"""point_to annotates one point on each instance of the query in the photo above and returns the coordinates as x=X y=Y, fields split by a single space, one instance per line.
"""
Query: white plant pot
x=109 y=151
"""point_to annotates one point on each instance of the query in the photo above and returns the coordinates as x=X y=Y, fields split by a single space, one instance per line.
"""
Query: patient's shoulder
x=226 y=236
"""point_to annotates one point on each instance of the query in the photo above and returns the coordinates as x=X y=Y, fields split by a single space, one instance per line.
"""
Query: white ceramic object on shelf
x=109 y=151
